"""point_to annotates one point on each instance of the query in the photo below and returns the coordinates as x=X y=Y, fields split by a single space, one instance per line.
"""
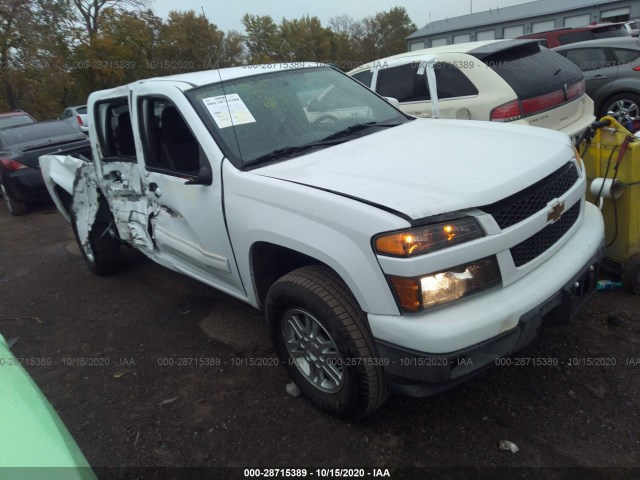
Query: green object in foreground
x=34 y=443
x=608 y=285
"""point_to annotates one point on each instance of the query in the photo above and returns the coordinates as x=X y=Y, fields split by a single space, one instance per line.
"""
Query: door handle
x=155 y=189
x=600 y=77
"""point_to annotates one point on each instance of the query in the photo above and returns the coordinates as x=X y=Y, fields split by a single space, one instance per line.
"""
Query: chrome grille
x=523 y=204
x=540 y=242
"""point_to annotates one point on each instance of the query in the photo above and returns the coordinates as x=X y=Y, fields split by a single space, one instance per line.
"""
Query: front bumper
x=421 y=374
x=434 y=350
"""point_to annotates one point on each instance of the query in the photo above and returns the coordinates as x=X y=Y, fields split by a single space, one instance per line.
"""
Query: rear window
x=36 y=132
x=573 y=37
x=15 y=120
x=531 y=70
x=609 y=32
x=81 y=110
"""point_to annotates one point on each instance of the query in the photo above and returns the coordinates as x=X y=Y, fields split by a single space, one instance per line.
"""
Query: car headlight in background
x=423 y=240
x=420 y=293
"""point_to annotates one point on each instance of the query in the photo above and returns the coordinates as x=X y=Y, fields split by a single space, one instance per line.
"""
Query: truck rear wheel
x=321 y=337
x=102 y=251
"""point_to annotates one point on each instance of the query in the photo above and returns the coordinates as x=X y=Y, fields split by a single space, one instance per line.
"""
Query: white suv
x=499 y=80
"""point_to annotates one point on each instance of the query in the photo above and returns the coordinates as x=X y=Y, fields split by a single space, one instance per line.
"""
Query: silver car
x=77 y=117
x=611 y=69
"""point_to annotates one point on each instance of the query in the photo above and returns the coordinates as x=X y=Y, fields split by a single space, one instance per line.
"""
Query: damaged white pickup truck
x=388 y=253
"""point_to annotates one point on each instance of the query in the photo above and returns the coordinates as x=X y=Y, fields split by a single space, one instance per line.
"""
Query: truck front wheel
x=320 y=335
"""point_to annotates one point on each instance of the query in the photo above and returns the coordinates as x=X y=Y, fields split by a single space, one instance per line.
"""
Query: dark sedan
x=21 y=146
x=611 y=69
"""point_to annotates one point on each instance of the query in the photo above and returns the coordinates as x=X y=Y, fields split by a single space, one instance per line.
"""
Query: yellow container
x=621 y=211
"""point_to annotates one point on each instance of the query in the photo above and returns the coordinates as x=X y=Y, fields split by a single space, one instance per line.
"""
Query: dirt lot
x=145 y=403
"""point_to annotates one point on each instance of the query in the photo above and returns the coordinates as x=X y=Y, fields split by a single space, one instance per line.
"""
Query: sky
x=227 y=14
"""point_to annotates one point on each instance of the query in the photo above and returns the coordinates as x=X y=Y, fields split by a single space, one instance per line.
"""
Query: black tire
x=621 y=101
x=631 y=274
x=318 y=292
x=15 y=207
x=103 y=255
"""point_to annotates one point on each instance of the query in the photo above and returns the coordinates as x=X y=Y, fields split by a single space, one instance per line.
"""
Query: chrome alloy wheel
x=623 y=110
x=312 y=350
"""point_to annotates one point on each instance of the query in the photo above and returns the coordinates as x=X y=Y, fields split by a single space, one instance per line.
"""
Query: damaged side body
x=118 y=184
x=149 y=184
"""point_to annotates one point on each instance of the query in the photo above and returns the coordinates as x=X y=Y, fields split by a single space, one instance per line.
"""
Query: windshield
x=271 y=117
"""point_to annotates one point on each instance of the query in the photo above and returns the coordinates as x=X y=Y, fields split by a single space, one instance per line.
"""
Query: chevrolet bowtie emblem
x=556 y=212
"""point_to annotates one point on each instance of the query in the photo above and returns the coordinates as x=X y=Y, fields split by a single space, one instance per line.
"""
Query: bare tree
x=90 y=11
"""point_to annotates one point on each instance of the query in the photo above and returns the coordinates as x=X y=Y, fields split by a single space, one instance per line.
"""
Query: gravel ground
x=171 y=382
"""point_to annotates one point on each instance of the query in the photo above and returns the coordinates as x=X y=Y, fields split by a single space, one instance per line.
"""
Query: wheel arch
x=270 y=261
x=606 y=97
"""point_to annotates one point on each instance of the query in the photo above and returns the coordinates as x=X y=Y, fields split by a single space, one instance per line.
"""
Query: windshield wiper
x=358 y=127
x=293 y=150
x=333 y=139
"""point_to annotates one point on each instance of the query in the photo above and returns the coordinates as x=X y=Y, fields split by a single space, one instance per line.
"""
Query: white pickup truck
x=388 y=253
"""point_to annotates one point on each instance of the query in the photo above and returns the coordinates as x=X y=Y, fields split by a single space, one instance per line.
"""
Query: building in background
x=511 y=22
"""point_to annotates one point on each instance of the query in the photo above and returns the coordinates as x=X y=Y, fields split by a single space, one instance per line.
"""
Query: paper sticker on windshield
x=228 y=110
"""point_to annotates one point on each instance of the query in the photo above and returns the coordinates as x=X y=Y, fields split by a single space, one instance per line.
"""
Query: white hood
x=429 y=167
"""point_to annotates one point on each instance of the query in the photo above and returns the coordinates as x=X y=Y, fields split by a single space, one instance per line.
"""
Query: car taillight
x=636 y=69
x=507 y=112
x=543 y=102
x=11 y=165
x=515 y=109
x=79 y=118
x=576 y=90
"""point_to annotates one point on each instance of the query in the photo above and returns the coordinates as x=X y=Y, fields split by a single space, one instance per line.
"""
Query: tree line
x=53 y=53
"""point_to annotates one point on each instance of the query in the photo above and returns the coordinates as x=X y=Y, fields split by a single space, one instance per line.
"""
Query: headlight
x=423 y=240
x=419 y=293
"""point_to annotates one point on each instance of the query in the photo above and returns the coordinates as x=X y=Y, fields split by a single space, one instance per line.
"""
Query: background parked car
x=633 y=27
x=77 y=117
x=611 y=69
x=20 y=147
x=11 y=119
x=565 y=36
x=500 y=80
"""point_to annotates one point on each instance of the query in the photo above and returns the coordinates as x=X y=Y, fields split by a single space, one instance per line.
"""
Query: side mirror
x=205 y=177
x=393 y=101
